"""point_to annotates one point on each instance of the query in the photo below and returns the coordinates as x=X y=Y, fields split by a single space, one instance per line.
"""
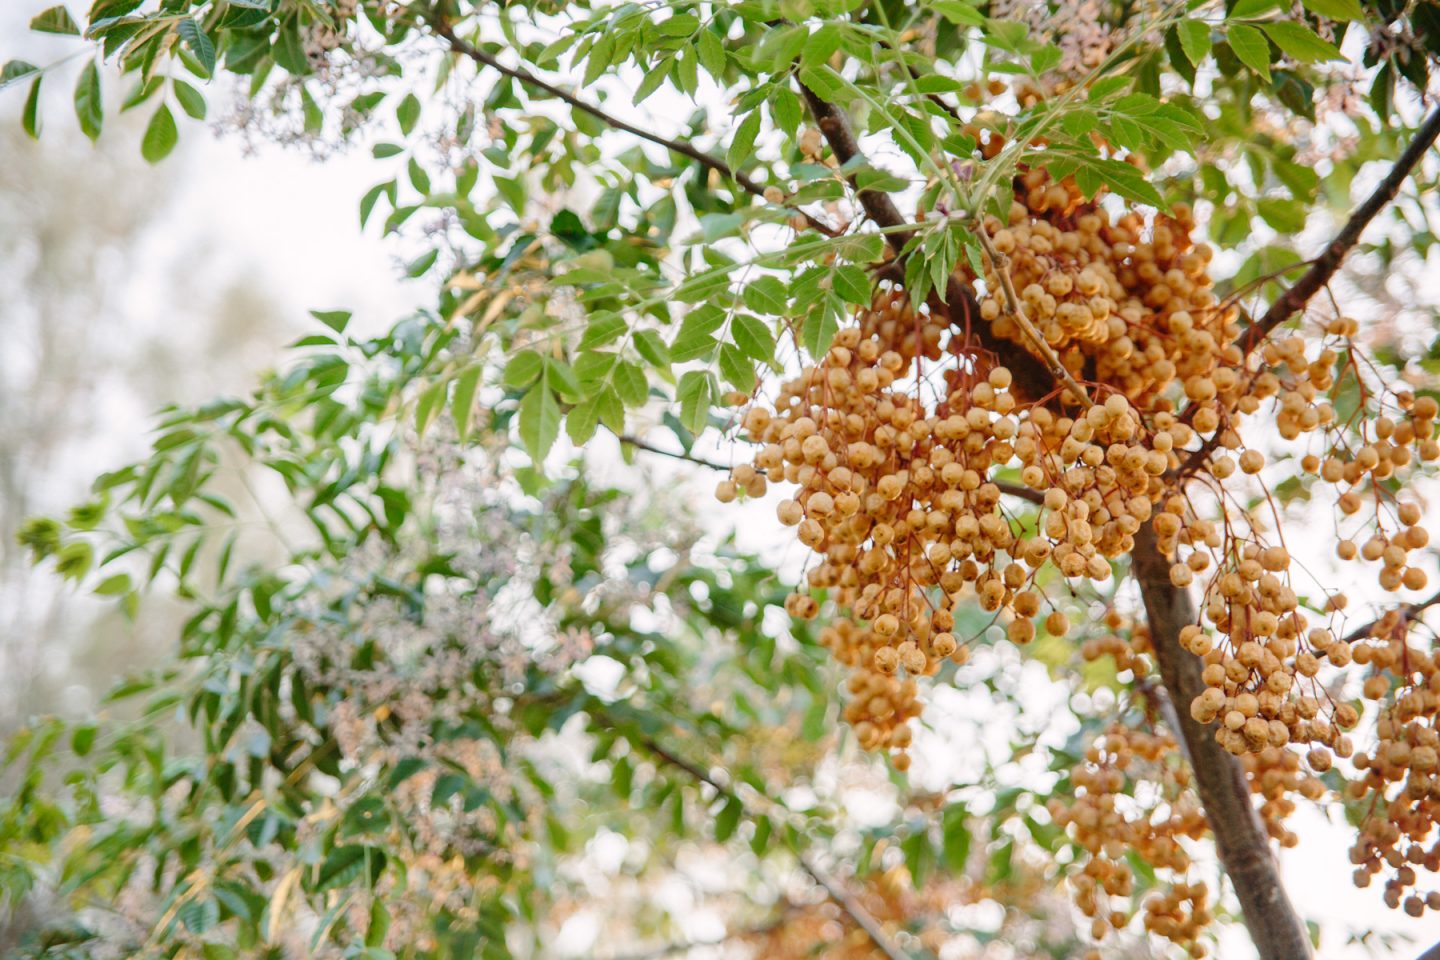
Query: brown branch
x=1407 y=613
x=878 y=206
x=1240 y=839
x=832 y=887
x=638 y=444
x=1017 y=313
x=444 y=29
x=1031 y=379
x=1323 y=267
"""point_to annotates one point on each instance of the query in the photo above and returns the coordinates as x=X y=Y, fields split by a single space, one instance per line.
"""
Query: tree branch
x=1407 y=613
x=1031 y=379
x=684 y=148
x=1323 y=267
x=1240 y=838
x=1017 y=313
x=638 y=444
x=1010 y=489
x=832 y=887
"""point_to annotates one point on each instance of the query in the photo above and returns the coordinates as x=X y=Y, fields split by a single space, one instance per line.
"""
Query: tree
x=1033 y=421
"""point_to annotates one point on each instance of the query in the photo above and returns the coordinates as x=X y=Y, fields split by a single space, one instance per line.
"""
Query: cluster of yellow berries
x=1276 y=775
x=1120 y=307
x=1398 y=783
x=1109 y=821
x=893 y=441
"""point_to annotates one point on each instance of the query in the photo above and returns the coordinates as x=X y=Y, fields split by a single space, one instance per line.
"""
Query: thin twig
x=684 y=148
x=1010 y=489
x=1407 y=613
x=639 y=444
x=1323 y=267
x=832 y=887
x=1001 y=263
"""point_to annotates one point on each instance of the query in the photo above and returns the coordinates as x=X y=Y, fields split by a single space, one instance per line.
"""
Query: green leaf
x=88 y=107
x=919 y=855
x=766 y=295
x=1300 y=42
x=603 y=328
x=1285 y=216
x=753 y=337
x=345 y=864
x=694 y=393
x=581 y=421
x=190 y=99
x=14 y=70
x=695 y=338
x=1245 y=9
x=405 y=769
x=785 y=110
x=30 y=116
x=334 y=319
x=956 y=838
x=539 y=420
x=959 y=13
x=727 y=820
x=1194 y=39
x=852 y=283
x=82 y=739
x=680 y=25
x=428 y=406
x=160 y=136
x=1124 y=179
x=522 y=369
x=1335 y=9
x=55 y=20
x=114 y=586
x=630 y=383
x=1250 y=47
x=199 y=43
x=462 y=404
x=199 y=915
x=407 y=112
x=711 y=50
x=742 y=143
x=651 y=348
x=737 y=368
x=820 y=325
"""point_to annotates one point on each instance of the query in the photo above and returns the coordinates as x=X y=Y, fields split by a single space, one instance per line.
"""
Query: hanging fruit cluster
x=1109 y=825
x=893 y=439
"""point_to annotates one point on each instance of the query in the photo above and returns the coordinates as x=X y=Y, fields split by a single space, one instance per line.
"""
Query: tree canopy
x=1077 y=340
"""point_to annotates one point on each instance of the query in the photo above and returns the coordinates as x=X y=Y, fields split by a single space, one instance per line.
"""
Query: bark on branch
x=1323 y=267
x=1032 y=380
x=1240 y=838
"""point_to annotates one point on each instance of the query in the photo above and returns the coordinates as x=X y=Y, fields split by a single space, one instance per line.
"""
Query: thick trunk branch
x=1240 y=839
